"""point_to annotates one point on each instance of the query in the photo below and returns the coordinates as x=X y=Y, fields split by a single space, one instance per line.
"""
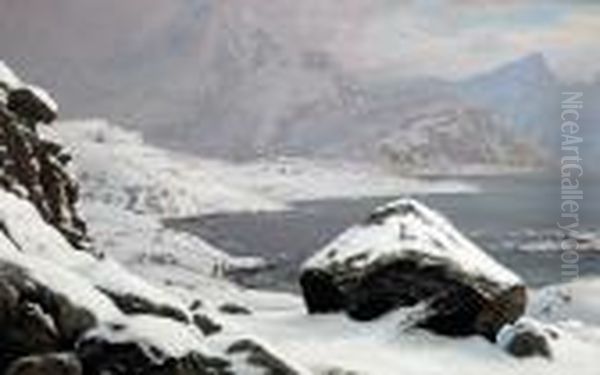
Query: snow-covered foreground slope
x=323 y=343
x=311 y=344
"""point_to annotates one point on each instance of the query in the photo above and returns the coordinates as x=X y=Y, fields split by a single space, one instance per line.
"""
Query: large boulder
x=406 y=255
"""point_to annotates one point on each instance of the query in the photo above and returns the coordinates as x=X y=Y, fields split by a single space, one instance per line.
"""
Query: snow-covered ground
x=297 y=179
x=116 y=167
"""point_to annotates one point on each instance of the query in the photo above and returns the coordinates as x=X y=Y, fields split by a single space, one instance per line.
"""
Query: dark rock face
x=524 y=339
x=206 y=324
x=34 y=320
x=27 y=105
x=234 y=309
x=258 y=356
x=46 y=364
x=35 y=168
x=419 y=261
x=101 y=357
x=320 y=292
x=133 y=304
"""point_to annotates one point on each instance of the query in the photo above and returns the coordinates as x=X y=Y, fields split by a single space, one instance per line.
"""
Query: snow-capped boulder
x=407 y=255
x=33 y=104
x=258 y=357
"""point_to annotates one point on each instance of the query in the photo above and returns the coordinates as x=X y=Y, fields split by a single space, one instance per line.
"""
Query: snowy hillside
x=117 y=167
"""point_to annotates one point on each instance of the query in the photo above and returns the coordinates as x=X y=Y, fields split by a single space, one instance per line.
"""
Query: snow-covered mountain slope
x=116 y=167
x=414 y=126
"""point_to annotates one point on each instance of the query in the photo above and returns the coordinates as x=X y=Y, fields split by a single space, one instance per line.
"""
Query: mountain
x=525 y=91
x=247 y=79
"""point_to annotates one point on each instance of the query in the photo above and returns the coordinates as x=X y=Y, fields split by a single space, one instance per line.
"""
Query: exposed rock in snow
x=34 y=318
x=35 y=167
x=258 y=356
x=33 y=104
x=47 y=364
x=147 y=345
x=68 y=296
x=527 y=338
x=407 y=255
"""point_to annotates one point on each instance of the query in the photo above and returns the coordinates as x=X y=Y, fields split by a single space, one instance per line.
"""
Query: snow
x=11 y=81
x=146 y=179
x=126 y=225
x=412 y=227
x=60 y=280
x=38 y=240
x=163 y=256
x=298 y=179
x=116 y=167
x=323 y=343
x=151 y=332
x=8 y=77
x=574 y=301
x=43 y=96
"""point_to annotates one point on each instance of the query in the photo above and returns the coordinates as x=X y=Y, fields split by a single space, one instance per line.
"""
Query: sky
x=460 y=37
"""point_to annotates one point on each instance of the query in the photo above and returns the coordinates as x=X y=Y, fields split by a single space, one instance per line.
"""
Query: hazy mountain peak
x=532 y=69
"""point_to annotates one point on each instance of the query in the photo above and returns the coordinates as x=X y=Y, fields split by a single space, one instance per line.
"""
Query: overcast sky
x=458 y=37
x=87 y=51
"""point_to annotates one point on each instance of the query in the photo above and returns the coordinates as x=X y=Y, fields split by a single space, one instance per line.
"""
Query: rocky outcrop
x=34 y=166
x=259 y=357
x=102 y=355
x=45 y=364
x=34 y=320
x=406 y=255
x=65 y=312
x=527 y=338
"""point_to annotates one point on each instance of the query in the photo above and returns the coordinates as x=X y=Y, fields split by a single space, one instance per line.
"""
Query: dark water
x=508 y=211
